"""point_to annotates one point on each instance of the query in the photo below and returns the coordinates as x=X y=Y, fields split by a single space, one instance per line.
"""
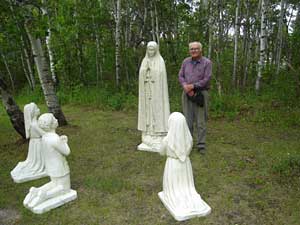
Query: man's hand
x=191 y=93
x=188 y=87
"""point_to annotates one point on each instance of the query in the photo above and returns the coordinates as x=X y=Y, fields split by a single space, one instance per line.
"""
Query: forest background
x=75 y=54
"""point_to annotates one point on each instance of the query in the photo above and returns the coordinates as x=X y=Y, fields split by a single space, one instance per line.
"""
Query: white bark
x=118 y=41
x=236 y=35
x=51 y=57
x=279 y=36
x=45 y=78
x=210 y=28
x=261 y=61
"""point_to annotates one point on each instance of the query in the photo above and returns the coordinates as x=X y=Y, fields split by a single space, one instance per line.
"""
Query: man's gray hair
x=196 y=42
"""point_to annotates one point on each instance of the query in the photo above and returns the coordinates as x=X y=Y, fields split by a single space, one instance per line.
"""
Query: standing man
x=195 y=74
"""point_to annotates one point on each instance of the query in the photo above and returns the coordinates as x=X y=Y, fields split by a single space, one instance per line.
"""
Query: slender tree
x=45 y=77
x=118 y=40
x=262 y=49
x=236 y=35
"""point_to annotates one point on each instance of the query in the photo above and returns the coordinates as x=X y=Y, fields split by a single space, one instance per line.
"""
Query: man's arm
x=181 y=77
x=207 y=75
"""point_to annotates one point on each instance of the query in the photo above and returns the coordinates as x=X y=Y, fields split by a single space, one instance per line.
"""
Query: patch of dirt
x=9 y=216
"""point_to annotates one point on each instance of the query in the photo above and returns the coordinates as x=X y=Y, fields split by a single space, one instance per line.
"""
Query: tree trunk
x=9 y=73
x=16 y=116
x=210 y=29
x=26 y=72
x=236 y=34
x=262 y=48
x=152 y=21
x=46 y=80
x=51 y=57
x=279 y=37
x=219 y=47
x=28 y=63
x=156 y=24
x=118 y=41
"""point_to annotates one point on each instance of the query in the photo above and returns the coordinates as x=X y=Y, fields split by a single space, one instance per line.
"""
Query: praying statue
x=58 y=191
x=154 y=108
x=179 y=195
x=33 y=167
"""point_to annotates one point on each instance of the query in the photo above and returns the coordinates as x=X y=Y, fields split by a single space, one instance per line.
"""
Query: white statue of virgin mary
x=179 y=194
x=154 y=108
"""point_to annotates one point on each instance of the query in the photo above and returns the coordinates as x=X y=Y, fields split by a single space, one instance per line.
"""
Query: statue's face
x=151 y=50
x=47 y=122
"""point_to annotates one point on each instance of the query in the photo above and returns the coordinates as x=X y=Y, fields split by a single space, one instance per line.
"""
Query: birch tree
x=117 y=40
x=236 y=35
x=45 y=78
x=279 y=36
x=262 y=45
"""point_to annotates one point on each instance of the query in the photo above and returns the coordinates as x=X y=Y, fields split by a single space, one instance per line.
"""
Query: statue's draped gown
x=179 y=193
x=34 y=165
x=154 y=108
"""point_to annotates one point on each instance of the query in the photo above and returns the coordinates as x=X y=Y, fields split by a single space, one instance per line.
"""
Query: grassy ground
x=118 y=185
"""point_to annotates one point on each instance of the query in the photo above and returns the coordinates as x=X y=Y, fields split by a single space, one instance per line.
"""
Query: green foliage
x=102 y=97
x=288 y=168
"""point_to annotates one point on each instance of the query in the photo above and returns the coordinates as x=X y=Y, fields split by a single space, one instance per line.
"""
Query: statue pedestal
x=54 y=202
x=151 y=143
x=20 y=178
x=147 y=148
x=181 y=216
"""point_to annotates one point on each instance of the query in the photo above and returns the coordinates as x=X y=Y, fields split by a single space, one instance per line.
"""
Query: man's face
x=195 y=51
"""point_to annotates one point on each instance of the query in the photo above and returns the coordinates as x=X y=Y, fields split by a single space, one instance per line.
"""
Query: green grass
x=240 y=177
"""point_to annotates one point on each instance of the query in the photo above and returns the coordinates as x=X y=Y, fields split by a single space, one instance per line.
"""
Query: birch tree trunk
x=26 y=72
x=117 y=41
x=219 y=47
x=51 y=57
x=246 y=46
x=29 y=64
x=16 y=116
x=262 y=48
x=236 y=35
x=210 y=28
x=279 y=37
x=46 y=80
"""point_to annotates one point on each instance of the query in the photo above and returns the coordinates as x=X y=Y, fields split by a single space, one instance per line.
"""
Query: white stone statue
x=58 y=191
x=179 y=194
x=154 y=108
x=33 y=167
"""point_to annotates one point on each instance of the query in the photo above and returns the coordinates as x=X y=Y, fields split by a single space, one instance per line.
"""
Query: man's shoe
x=202 y=150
